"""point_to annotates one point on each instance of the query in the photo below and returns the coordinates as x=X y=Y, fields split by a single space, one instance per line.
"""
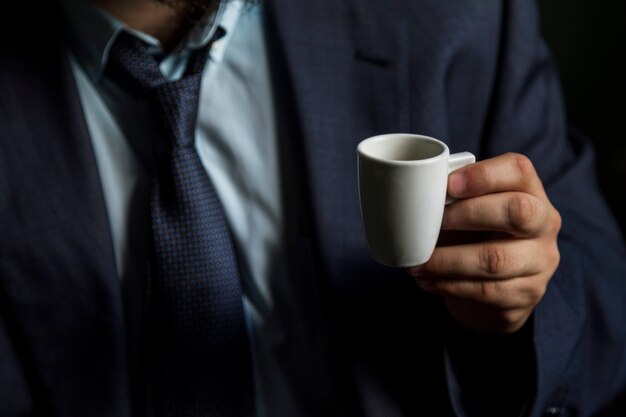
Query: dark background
x=588 y=40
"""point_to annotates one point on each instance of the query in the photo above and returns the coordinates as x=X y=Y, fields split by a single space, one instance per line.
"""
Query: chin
x=193 y=10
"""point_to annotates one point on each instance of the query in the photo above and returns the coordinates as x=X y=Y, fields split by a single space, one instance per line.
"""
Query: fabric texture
x=241 y=152
x=201 y=364
x=474 y=74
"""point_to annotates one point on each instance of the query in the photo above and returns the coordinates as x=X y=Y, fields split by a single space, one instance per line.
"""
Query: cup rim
x=378 y=138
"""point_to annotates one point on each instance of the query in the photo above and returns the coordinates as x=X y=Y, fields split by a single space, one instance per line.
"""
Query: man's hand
x=492 y=286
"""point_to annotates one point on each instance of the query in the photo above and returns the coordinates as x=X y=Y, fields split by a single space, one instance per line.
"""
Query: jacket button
x=554 y=411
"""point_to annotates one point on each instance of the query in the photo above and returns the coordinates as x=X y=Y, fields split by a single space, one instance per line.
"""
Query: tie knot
x=131 y=64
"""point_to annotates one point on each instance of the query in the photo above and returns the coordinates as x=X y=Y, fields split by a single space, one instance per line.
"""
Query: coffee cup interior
x=401 y=148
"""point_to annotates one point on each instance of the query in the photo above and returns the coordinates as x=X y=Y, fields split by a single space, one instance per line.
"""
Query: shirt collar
x=92 y=31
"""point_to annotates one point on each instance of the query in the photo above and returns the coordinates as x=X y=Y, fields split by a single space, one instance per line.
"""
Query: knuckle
x=557 y=221
x=492 y=259
x=535 y=293
x=480 y=175
x=490 y=292
x=554 y=258
x=521 y=212
x=523 y=164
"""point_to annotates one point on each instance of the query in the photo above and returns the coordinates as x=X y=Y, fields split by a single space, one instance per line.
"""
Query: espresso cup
x=403 y=191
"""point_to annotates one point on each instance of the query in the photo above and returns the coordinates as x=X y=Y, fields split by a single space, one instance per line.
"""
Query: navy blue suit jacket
x=474 y=74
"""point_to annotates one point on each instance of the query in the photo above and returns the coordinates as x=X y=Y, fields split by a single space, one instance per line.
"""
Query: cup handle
x=456 y=161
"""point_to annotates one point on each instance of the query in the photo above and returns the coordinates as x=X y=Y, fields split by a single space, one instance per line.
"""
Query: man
x=523 y=314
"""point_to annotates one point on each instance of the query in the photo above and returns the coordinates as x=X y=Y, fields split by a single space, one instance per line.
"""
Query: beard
x=192 y=10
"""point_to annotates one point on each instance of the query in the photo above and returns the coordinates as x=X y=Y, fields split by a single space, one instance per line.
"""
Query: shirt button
x=217 y=45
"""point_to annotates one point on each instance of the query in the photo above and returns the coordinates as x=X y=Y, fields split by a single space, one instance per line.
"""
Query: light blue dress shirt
x=237 y=140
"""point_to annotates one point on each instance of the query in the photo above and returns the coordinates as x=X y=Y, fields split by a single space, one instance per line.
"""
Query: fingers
x=508 y=172
x=491 y=260
x=516 y=213
x=506 y=276
x=516 y=293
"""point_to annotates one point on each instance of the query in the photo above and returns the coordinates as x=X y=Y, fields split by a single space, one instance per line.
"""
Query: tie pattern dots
x=199 y=352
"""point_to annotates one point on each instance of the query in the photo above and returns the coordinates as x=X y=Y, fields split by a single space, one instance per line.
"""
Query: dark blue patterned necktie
x=200 y=356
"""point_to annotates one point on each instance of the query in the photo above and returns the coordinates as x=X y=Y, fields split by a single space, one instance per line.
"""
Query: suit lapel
x=347 y=84
x=57 y=270
x=349 y=80
x=56 y=261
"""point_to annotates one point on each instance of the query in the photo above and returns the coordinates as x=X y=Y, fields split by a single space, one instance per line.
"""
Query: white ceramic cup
x=402 y=187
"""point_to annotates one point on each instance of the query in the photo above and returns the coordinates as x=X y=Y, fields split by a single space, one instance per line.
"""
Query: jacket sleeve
x=578 y=335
